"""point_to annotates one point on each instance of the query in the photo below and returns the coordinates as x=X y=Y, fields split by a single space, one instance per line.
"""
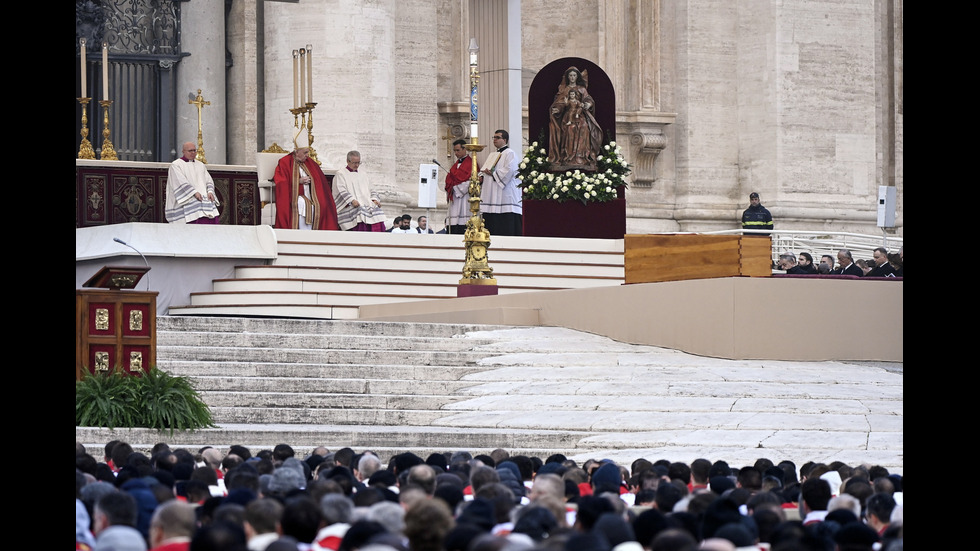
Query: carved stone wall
x=797 y=100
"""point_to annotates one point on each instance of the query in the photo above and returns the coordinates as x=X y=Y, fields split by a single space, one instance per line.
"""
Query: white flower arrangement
x=538 y=182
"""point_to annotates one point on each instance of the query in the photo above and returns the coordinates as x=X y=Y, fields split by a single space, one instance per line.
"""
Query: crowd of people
x=272 y=500
x=883 y=264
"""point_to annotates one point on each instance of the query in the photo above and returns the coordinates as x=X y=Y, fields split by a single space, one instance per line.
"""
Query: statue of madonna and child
x=574 y=136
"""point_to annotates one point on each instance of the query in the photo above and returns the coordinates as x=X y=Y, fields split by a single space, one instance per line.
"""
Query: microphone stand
x=121 y=242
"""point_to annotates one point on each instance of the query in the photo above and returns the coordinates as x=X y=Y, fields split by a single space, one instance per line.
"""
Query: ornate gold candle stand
x=476 y=270
x=108 y=153
x=85 y=150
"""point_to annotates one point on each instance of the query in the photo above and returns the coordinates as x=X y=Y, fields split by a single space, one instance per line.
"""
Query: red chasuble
x=288 y=189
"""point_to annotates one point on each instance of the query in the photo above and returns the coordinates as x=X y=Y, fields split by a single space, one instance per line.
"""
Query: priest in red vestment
x=458 y=188
x=304 y=198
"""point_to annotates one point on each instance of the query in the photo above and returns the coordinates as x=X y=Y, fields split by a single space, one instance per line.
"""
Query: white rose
x=607 y=148
x=523 y=165
x=612 y=144
x=593 y=194
x=564 y=189
x=555 y=196
x=543 y=152
x=599 y=158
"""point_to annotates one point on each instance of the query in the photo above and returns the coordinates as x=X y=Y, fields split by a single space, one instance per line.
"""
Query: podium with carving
x=115 y=327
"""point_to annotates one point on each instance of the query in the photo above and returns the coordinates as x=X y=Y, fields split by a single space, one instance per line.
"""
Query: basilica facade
x=799 y=101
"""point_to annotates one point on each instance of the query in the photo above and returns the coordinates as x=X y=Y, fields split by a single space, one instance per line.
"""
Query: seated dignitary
x=190 y=191
x=304 y=199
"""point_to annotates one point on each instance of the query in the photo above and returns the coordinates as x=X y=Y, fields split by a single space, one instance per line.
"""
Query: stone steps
x=320 y=372
x=329 y=275
x=393 y=387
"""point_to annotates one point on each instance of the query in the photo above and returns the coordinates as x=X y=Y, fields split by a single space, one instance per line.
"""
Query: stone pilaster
x=203 y=37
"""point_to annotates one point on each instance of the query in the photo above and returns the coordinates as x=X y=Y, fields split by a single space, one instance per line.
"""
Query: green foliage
x=106 y=400
x=156 y=400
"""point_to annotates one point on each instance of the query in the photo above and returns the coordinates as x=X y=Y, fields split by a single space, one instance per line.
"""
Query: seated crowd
x=884 y=264
x=176 y=499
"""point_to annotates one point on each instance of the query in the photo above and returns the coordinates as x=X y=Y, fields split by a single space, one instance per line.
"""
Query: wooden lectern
x=114 y=325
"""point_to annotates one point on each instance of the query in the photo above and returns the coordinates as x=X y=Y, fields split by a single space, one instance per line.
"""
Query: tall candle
x=84 y=82
x=295 y=78
x=309 y=73
x=105 y=70
x=302 y=77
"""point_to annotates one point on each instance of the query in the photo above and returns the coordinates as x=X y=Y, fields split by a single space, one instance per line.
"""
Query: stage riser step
x=533 y=263
x=435 y=284
x=300 y=299
x=315 y=342
x=192 y=368
x=281 y=310
x=516 y=250
x=299 y=356
x=333 y=287
x=567 y=249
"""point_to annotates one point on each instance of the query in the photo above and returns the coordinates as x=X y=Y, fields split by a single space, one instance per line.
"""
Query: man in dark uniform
x=756 y=217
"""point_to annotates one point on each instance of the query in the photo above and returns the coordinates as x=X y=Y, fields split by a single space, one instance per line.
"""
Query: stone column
x=203 y=37
x=354 y=83
x=245 y=92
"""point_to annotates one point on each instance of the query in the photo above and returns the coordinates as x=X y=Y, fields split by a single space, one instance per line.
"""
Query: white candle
x=302 y=77
x=295 y=78
x=105 y=70
x=84 y=81
x=309 y=73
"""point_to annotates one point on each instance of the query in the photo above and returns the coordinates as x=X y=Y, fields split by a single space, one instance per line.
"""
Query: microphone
x=121 y=242
x=437 y=162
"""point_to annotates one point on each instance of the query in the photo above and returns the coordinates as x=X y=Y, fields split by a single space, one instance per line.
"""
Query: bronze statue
x=574 y=135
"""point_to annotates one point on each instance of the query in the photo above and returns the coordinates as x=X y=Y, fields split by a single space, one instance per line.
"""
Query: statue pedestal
x=543 y=218
x=475 y=290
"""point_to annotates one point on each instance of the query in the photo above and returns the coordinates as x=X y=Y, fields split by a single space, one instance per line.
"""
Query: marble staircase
x=392 y=387
x=329 y=275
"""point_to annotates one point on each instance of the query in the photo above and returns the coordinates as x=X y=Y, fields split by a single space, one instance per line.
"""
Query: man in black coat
x=882 y=267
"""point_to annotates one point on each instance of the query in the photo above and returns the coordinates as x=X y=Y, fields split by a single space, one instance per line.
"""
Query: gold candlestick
x=476 y=269
x=85 y=150
x=108 y=153
x=309 y=129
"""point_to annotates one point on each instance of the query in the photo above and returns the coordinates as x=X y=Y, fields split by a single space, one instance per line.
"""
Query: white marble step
x=436 y=272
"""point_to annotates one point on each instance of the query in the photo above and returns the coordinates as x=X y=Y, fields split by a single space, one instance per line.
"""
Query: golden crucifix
x=200 y=103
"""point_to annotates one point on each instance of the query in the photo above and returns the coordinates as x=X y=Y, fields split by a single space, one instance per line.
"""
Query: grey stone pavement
x=627 y=401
